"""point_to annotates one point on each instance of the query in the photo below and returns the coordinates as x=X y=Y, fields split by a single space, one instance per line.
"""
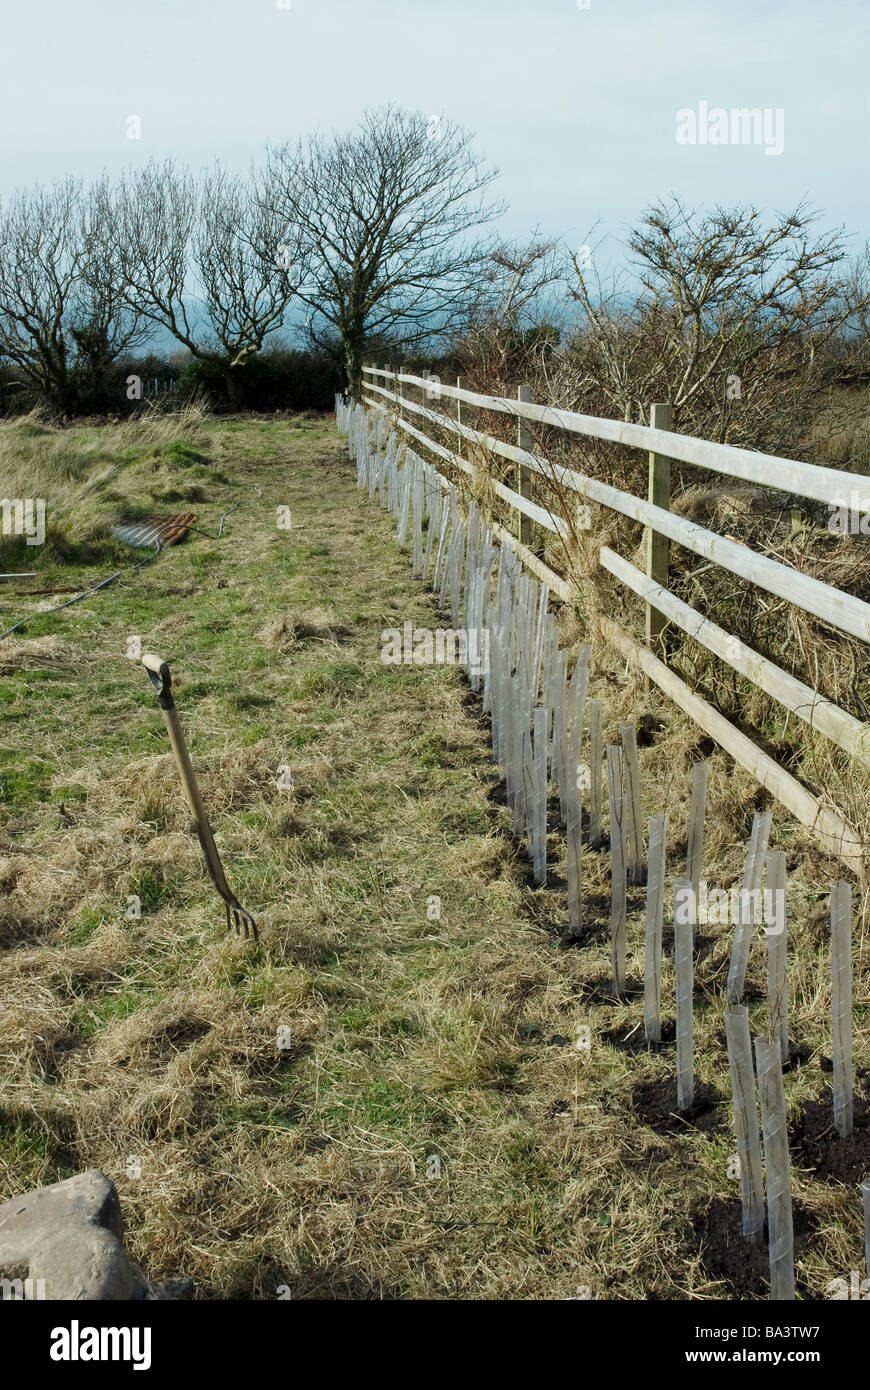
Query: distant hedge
x=281 y=378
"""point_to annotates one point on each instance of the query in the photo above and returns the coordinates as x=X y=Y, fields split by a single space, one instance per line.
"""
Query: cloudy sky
x=577 y=106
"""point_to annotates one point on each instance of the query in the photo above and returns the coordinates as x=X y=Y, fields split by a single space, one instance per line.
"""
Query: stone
x=68 y=1241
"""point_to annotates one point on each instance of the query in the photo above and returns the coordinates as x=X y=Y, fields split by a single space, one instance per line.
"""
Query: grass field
x=375 y=1102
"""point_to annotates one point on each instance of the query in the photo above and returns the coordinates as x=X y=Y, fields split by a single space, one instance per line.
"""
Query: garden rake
x=238 y=919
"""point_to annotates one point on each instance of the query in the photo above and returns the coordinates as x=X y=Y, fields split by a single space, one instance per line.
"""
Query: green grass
x=34 y=1143
x=23 y=781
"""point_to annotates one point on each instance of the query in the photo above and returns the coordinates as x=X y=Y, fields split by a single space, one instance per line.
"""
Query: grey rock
x=68 y=1240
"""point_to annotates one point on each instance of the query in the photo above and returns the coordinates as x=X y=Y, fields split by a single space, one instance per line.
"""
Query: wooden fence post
x=462 y=412
x=463 y=415
x=657 y=546
x=524 y=440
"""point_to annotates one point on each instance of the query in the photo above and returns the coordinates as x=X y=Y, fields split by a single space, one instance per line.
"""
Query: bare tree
x=853 y=342
x=104 y=324
x=41 y=263
x=385 y=216
x=206 y=259
x=62 y=319
x=510 y=321
x=730 y=310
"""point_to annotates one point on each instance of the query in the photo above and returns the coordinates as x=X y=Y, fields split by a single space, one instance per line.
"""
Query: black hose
x=199 y=531
x=104 y=583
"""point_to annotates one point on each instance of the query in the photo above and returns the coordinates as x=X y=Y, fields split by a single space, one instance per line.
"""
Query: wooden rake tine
x=238 y=918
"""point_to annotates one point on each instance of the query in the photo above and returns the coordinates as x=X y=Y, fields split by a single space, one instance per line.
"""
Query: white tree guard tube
x=519 y=740
x=655 y=901
x=749 y=909
x=777 y=950
x=617 y=867
x=574 y=856
x=539 y=801
x=685 y=914
x=596 y=753
x=746 y=1125
x=841 y=1006
x=527 y=784
x=560 y=735
x=577 y=783
x=577 y=691
x=697 y=811
x=543 y=596
x=633 y=822
x=777 y=1170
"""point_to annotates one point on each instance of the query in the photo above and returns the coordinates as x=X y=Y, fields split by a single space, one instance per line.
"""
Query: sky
x=577 y=106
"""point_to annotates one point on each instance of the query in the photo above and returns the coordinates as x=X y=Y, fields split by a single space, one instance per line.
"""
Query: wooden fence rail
x=841 y=610
x=764 y=470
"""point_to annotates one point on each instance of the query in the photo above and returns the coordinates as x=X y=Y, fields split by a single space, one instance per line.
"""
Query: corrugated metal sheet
x=166 y=530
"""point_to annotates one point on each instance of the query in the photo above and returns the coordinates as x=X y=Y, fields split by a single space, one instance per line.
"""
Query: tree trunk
x=235 y=389
x=353 y=339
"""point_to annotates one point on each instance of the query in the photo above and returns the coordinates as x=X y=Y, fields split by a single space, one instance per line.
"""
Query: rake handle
x=161 y=679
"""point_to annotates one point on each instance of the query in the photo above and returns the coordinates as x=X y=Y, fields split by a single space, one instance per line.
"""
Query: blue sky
x=577 y=106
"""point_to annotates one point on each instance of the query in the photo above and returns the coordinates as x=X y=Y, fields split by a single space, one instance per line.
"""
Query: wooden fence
x=390 y=392
x=538 y=723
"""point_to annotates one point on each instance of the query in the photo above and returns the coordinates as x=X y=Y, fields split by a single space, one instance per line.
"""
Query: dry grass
x=155 y=1042
x=91 y=477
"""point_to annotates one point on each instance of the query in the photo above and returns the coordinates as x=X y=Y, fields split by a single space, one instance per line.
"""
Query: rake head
x=239 y=920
